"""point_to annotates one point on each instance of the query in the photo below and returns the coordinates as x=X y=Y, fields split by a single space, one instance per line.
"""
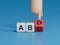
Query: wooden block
x=20 y=26
x=39 y=25
x=29 y=27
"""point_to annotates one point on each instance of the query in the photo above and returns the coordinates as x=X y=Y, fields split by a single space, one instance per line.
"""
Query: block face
x=29 y=27
x=38 y=29
x=39 y=25
x=20 y=27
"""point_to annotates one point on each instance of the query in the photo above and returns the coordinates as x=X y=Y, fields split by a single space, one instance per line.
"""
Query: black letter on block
x=21 y=27
x=29 y=27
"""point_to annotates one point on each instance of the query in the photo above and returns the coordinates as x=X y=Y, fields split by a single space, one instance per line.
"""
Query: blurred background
x=13 y=11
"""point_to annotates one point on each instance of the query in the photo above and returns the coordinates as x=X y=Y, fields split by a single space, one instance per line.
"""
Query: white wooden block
x=29 y=27
x=20 y=27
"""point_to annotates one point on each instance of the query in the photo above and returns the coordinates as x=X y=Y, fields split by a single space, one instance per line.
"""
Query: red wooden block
x=39 y=25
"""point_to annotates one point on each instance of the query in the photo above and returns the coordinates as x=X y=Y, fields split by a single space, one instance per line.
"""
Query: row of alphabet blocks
x=37 y=26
